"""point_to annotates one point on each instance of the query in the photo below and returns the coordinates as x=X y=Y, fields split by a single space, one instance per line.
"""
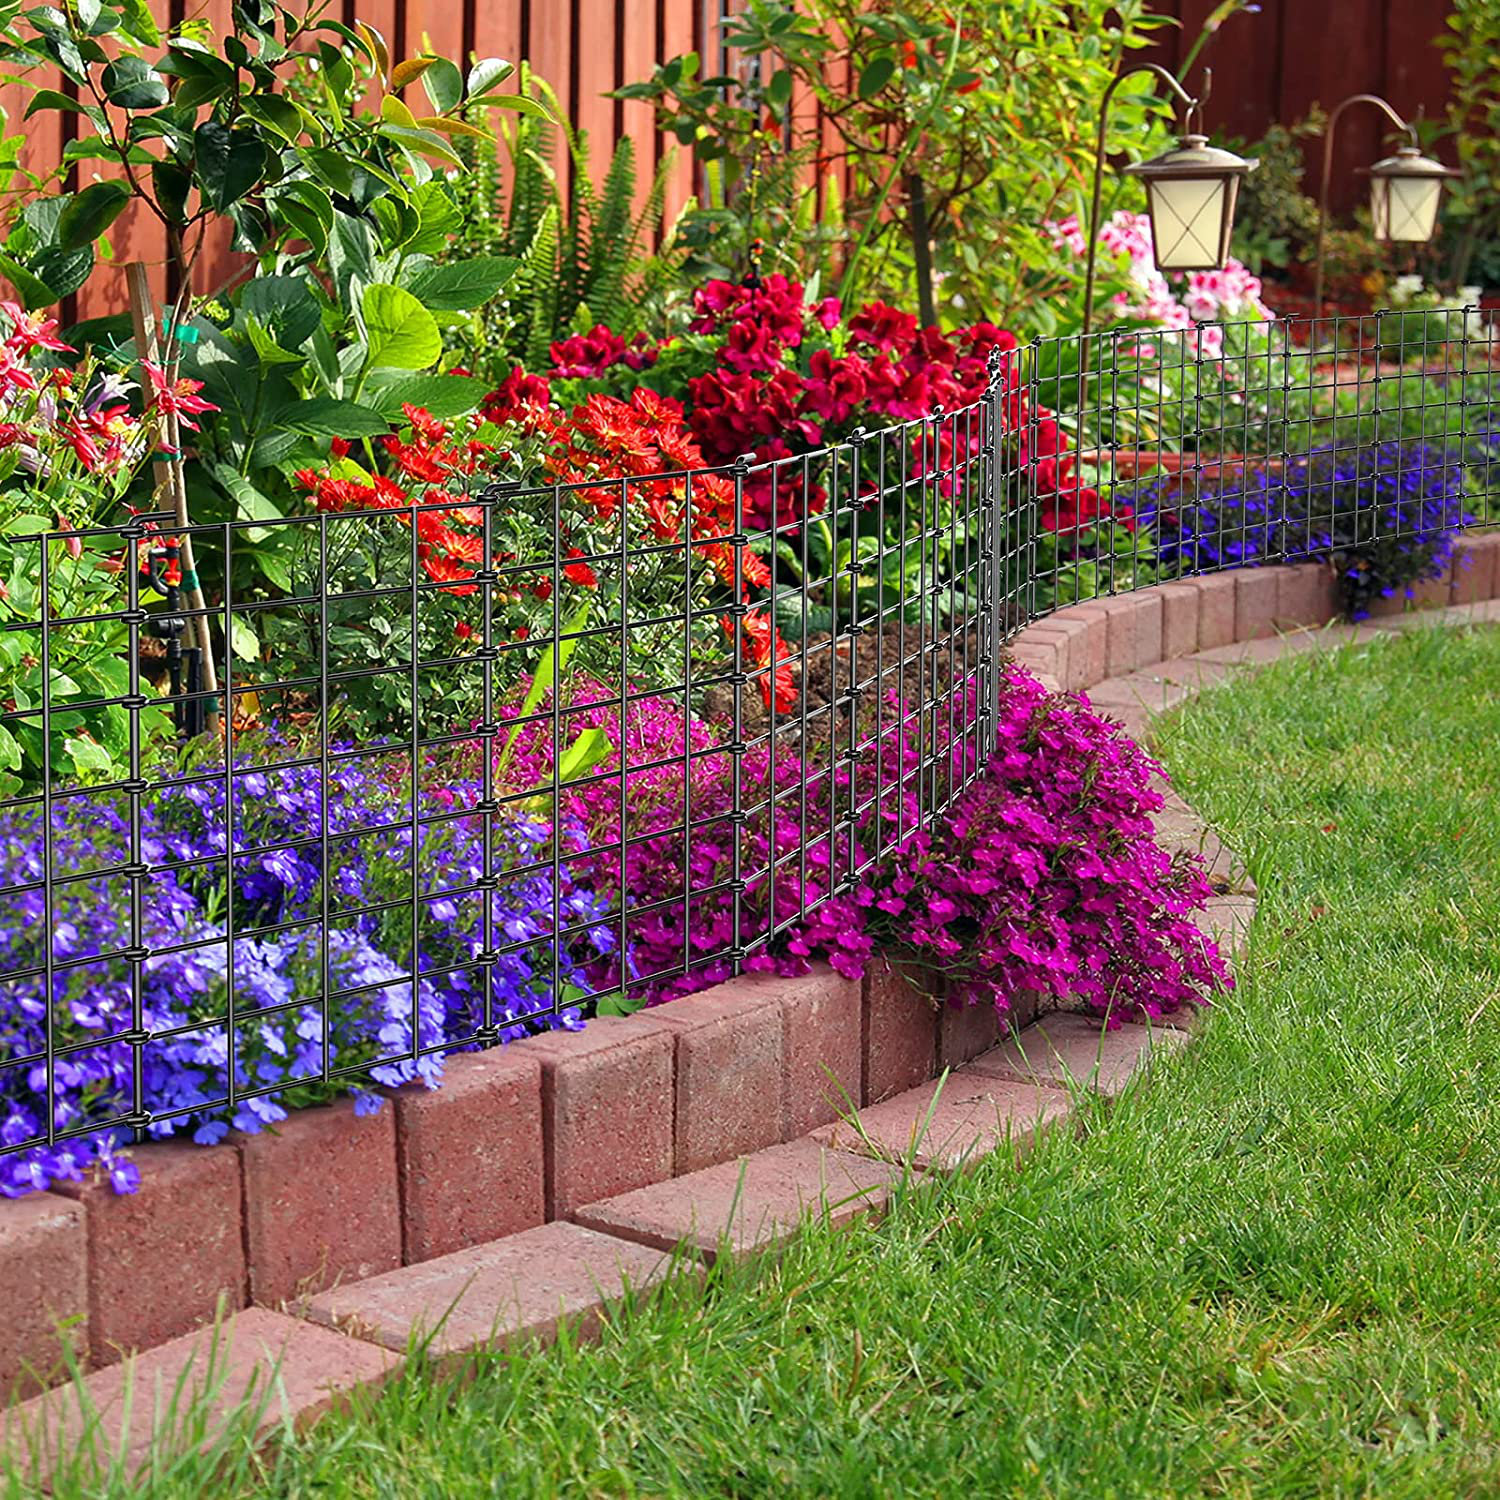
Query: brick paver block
x=1308 y=594
x=822 y=1057
x=284 y=1368
x=1042 y=649
x=607 y=1099
x=1069 y=1051
x=43 y=1281
x=470 y=1154
x=950 y=1122
x=165 y=1258
x=1256 y=592
x=1135 y=632
x=1216 y=614
x=1088 y=648
x=965 y=1031
x=900 y=1032
x=1476 y=567
x=321 y=1203
x=729 y=1087
x=750 y=1204
x=517 y=1288
x=1179 y=620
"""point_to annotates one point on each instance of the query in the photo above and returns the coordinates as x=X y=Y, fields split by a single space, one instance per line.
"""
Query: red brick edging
x=524 y=1137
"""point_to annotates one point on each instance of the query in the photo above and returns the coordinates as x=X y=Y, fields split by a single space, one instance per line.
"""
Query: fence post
x=990 y=553
x=738 y=677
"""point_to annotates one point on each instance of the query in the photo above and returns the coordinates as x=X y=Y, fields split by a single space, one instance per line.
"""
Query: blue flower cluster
x=340 y=980
x=1385 y=514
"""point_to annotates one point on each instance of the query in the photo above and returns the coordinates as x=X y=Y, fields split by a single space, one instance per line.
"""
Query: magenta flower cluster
x=1044 y=876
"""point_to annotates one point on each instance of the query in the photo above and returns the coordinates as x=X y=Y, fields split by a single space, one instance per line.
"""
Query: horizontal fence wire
x=409 y=819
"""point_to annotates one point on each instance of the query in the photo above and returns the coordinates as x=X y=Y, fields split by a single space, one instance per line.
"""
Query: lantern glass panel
x=1405 y=208
x=1190 y=220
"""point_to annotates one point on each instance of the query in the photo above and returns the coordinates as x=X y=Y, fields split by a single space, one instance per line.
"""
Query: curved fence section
x=295 y=805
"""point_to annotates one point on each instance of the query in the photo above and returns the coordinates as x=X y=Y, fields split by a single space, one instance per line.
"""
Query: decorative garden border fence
x=421 y=828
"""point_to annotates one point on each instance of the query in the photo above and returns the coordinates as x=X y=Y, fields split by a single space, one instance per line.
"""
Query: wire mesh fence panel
x=487 y=762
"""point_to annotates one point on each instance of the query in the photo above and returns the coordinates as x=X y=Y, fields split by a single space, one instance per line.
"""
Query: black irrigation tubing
x=933 y=543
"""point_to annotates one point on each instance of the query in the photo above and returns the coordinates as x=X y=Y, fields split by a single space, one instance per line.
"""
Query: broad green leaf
x=402 y=334
x=445 y=396
x=445 y=126
x=274 y=112
x=243 y=640
x=326 y=416
x=410 y=70
x=33 y=293
x=877 y=73
x=377 y=47
x=423 y=142
x=87 y=756
x=229 y=162
x=52 y=99
x=486 y=74
x=138 y=22
x=463 y=285
x=132 y=83
x=443 y=84
x=394 y=112
x=88 y=214
x=10 y=751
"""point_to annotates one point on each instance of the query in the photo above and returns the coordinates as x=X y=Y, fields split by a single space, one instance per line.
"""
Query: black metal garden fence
x=473 y=765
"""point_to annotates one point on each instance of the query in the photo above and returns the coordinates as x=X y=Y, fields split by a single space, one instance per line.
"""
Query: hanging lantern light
x=1191 y=192
x=1404 y=193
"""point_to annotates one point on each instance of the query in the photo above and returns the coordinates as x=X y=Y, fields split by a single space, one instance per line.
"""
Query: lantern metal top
x=1409 y=162
x=1192 y=156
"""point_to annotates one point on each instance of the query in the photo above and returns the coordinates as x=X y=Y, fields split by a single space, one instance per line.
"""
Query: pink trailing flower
x=175 y=398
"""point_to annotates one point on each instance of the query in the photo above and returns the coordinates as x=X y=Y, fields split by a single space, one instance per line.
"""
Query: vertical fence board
x=551 y=53
x=593 y=66
x=638 y=52
x=679 y=34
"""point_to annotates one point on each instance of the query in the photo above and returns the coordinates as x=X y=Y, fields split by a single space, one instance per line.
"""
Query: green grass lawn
x=1272 y=1270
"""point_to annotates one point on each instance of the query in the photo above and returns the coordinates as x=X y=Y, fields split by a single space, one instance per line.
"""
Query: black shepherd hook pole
x=162 y=571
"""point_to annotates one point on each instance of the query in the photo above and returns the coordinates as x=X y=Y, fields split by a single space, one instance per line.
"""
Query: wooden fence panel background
x=1275 y=64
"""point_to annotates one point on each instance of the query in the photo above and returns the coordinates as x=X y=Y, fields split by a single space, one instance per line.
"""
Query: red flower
x=31 y=331
x=587 y=355
x=463 y=630
x=579 y=572
x=768 y=655
x=882 y=327
x=177 y=398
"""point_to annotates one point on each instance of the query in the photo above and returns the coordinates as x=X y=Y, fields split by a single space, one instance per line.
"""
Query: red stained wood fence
x=1271 y=65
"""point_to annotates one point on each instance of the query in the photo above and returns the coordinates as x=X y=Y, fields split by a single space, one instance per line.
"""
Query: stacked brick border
x=567 y=1146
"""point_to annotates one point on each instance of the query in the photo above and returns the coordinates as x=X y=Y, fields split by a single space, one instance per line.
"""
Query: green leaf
x=88 y=214
x=402 y=334
x=10 y=751
x=87 y=756
x=52 y=99
x=34 y=293
x=486 y=74
x=423 y=142
x=590 y=748
x=275 y=113
x=445 y=396
x=64 y=270
x=410 y=70
x=243 y=640
x=463 y=285
x=229 y=162
x=132 y=83
x=326 y=416
x=443 y=84
x=171 y=183
x=877 y=73
x=137 y=22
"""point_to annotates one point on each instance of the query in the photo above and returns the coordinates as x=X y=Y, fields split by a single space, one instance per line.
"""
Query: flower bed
x=1046 y=878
